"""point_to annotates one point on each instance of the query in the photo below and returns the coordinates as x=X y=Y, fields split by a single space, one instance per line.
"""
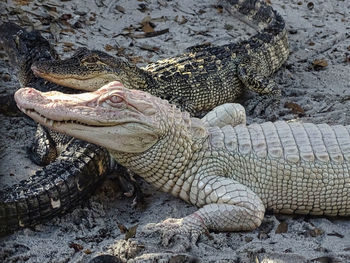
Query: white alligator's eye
x=114 y=102
x=115 y=99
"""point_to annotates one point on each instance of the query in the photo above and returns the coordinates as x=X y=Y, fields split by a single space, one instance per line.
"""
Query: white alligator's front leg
x=225 y=114
x=226 y=205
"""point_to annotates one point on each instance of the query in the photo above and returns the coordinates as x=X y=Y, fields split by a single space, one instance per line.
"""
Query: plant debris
x=120 y=9
x=147 y=25
x=336 y=234
x=316 y=232
x=319 y=64
x=282 y=228
x=181 y=20
x=77 y=247
x=151 y=34
x=295 y=108
x=129 y=232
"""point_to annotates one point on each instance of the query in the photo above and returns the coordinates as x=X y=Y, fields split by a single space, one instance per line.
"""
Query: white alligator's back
x=293 y=167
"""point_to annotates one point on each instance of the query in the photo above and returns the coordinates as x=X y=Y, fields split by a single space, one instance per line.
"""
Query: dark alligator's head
x=86 y=70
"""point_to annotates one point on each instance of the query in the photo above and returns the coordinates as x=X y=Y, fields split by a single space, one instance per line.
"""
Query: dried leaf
x=146 y=24
x=219 y=8
x=108 y=47
x=142 y=8
x=152 y=34
x=123 y=229
x=77 y=25
x=162 y=3
x=55 y=29
x=228 y=27
x=131 y=232
x=120 y=9
x=248 y=239
x=149 y=48
x=319 y=63
x=22 y=2
x=310 y=5
x=68 y=44
x=136 y=59
x=181 y=21
x=316 y=232
x=77 y=247
x=65 y=17
x=282 y=228
x=348 y=48
x=336 y=234
x=100 y=3
x=326 y=260
x=87 y=251
x=50 y=8
x=147 y=28
x=67 y=30
x=120 y=51
x=295 y=108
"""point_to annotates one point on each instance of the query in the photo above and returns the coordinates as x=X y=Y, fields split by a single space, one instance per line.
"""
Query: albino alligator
x=233 y=172
x=196 y=81
x=65 y=181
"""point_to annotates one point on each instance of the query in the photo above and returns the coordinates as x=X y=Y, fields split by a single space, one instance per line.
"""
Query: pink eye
x=115 y=99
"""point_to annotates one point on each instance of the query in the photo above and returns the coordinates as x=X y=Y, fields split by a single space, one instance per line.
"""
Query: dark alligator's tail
x=271 y=42
x=73 y=175
x=23 y=48
x=54 y=189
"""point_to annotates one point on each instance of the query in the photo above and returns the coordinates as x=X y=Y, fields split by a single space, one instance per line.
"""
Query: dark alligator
x=196 y=81
x=72 y=168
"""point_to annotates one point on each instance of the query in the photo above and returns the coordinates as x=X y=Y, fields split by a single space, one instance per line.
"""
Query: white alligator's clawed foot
x=187 y=230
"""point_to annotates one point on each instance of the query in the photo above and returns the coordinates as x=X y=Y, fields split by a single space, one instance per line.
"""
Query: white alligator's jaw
x=121 y=138
x=126 y=137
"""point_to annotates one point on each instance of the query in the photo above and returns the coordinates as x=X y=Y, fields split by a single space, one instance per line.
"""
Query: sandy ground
x=319 y=32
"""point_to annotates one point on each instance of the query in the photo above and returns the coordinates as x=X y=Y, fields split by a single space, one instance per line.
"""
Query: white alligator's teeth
x=51 y=122
x=45 y=120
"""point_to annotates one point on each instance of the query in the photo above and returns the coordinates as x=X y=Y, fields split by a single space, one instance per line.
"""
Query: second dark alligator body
x=72 y=168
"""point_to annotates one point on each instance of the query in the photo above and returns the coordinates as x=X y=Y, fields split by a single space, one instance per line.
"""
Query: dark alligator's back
x=213 y=75
x=69 y=178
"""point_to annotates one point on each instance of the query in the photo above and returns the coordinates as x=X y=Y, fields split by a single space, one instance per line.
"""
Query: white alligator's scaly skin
x=234 y=172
